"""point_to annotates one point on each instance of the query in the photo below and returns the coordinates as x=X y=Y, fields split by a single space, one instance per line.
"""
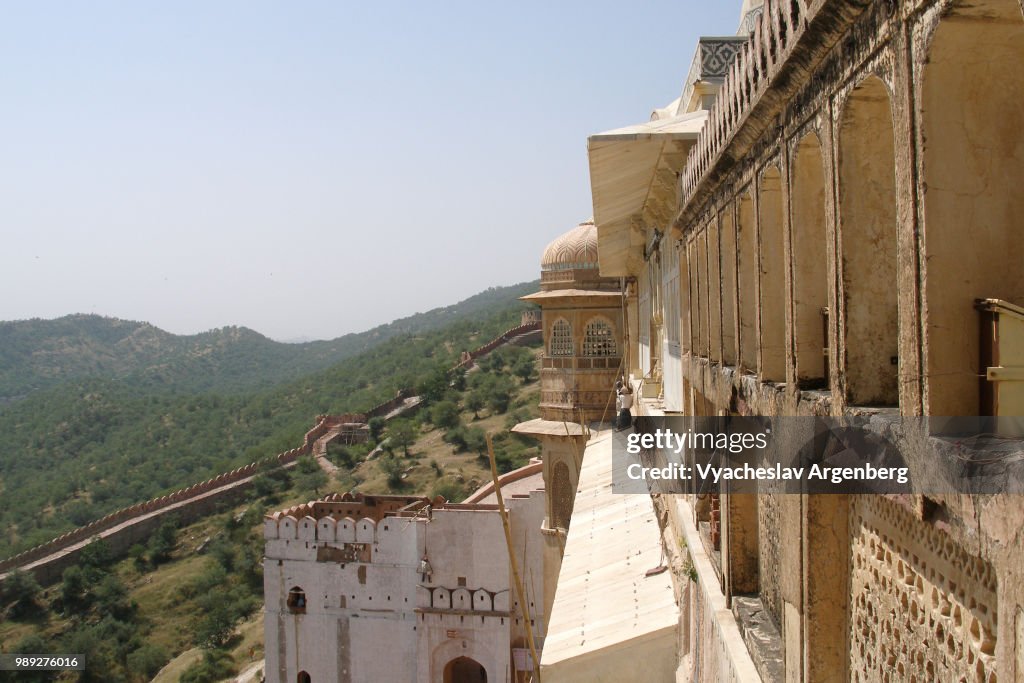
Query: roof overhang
x=542 y=427
x=553 y=295
x=633 y=172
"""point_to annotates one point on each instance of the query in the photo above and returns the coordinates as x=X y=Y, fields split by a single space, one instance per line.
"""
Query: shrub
x=445 y=415
x=21 y=593
x=214 y=666
x=392 y=467
x=147 y=660
x=162 y=543
x=452 y=491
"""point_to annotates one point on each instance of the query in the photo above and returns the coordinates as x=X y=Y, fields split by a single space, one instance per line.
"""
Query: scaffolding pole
x=512 y=561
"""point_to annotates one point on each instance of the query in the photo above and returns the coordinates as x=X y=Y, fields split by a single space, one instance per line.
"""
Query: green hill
x=192 y=596
x=90 y=445
x=39 y=354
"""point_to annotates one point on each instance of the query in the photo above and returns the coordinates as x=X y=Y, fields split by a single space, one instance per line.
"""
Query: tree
x=445 y=414
x=435 y=385
x=402 y=434
x=21 y=592
x=456 y=437
x=263 y=485
x=476 y=440
x=100 y=658
x=376 y=425
x=147 y=660
x=216 y=665
x=452 y=491
x=162 y=543
x=31 y=644
x=112 y=598
x=223 y=551
x=138 y=554
x=214 y=627
x=96 y=554
x=392 y=467
x=475 y=401
x=524 y=368
x=309 y=476
x=499 y=394
x=74 y=593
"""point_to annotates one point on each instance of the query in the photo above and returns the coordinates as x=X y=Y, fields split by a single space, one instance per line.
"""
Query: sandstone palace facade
x=829 y=221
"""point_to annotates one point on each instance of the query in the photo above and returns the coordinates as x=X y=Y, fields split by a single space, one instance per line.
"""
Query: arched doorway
x=771 y=277
x=747 y=283
x=464 y=670
x=867 y=212
x=810 y=269
x=304 y=677
x=973 y=167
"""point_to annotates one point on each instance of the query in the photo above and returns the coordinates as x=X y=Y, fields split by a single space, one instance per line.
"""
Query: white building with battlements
x=399 y=588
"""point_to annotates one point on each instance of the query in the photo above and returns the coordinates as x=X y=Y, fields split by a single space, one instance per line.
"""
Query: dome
x=575 y=250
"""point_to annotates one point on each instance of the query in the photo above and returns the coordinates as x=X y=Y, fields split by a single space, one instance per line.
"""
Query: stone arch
x=599 y=337
x=973 y=168
x=561 y=496
x=453 y=648
x=810 y=263
x=868 y=228
x=685 y=304
x=771 y=276
x=693 y=291
x=714 y=290
x=728 y=268
x=704 y=340
x=560 y=343
x=747 y=281
x=464 y=670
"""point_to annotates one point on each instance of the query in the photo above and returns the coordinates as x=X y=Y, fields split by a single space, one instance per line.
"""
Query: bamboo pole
x=512 y=561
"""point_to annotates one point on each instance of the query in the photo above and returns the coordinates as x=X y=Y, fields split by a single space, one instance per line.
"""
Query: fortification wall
x=468 y=358
x=389 y=405
x=125 y=527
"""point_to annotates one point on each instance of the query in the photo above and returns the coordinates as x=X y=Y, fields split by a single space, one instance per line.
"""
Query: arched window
x=297 y=600
x=561 y=338
x=599 y=339
x=304 y=677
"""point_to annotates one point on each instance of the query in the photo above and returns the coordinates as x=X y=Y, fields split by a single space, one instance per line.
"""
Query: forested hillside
x=186 y=602
x=39 y=354
x=77 y=450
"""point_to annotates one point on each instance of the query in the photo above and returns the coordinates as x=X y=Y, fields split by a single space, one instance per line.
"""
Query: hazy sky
x=309 y=168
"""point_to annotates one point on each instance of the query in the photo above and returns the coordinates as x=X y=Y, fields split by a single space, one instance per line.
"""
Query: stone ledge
x=761 y=637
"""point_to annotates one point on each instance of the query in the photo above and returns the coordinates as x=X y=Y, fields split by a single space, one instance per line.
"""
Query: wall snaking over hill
x=133 y=524
x=123 y=528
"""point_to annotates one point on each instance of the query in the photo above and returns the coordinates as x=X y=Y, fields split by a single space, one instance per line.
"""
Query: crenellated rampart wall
x=127 y=526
